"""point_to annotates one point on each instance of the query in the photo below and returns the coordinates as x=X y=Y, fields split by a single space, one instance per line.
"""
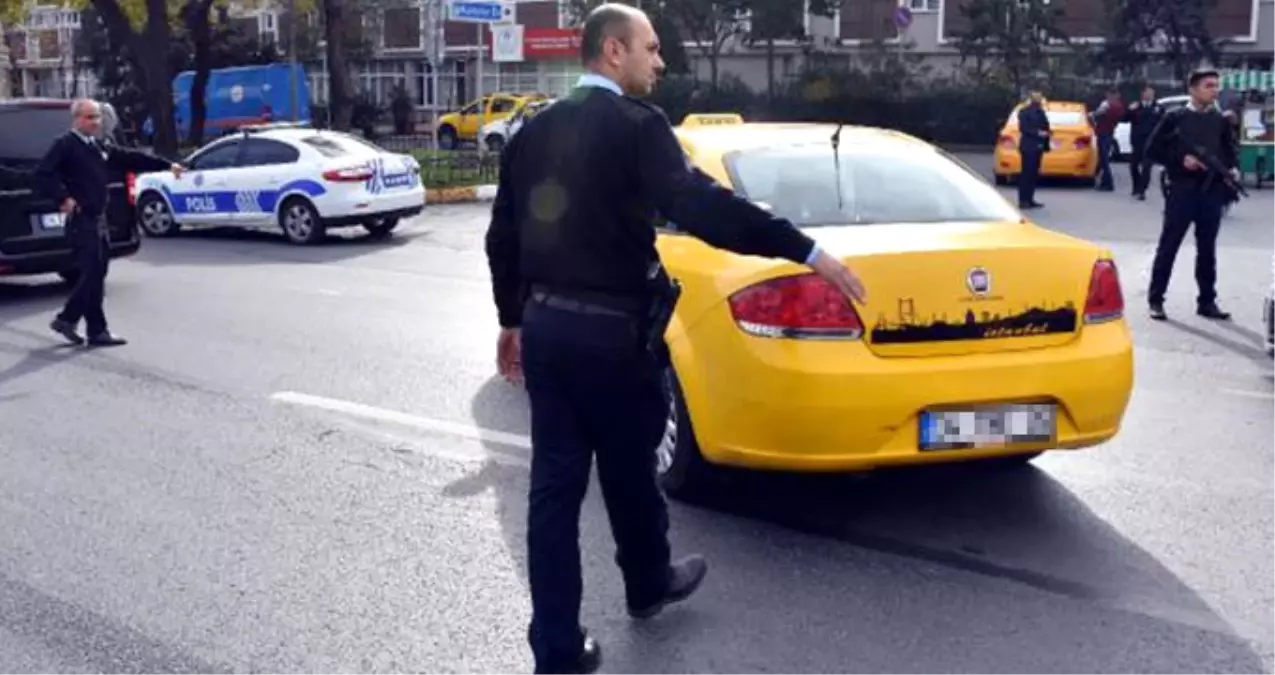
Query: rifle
x=1217 y=169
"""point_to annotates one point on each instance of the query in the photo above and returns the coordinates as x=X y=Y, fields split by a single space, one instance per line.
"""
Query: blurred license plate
x=52 y=221
x=988 y=426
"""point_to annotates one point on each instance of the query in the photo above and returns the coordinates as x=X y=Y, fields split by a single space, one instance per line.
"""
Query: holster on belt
x=665 y=292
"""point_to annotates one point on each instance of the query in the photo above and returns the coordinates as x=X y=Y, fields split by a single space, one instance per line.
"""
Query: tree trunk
x=198 y=23
x=340 y=98
x=148 y=57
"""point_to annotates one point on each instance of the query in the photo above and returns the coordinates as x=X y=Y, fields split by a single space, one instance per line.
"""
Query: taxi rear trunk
x=953 y=289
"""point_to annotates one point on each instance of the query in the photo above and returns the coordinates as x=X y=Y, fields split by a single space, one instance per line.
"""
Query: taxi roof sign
x=712 y=120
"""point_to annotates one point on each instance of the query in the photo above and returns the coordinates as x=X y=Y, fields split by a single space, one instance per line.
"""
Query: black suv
x=29 y=242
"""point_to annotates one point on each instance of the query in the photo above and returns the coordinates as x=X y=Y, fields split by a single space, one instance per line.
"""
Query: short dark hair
x=610 y=20
x=1200 y=74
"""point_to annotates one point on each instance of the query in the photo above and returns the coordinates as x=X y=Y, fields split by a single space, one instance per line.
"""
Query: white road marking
x=1249 y=394
x=427 y=424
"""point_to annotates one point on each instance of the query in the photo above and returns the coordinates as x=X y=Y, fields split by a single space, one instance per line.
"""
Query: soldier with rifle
x=1196 y=146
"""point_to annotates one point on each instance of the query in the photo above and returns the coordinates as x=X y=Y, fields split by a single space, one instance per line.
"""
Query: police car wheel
x=154 y=216
x=380 y=227
x=300 y=221
x=680 y=468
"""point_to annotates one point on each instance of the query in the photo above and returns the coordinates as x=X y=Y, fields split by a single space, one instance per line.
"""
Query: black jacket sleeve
x=48 y=174
x=705 y=209
x=1162 y=143
x=503 y=245
x=135 y=161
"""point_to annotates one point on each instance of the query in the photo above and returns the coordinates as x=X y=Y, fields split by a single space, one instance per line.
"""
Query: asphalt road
x=303 y=463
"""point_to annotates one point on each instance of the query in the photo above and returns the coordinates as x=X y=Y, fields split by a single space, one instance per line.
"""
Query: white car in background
x=1122 y=147
x=497 y=134
x=284 y=178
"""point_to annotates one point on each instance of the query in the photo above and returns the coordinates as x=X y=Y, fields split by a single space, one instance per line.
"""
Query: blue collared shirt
x=603 y=82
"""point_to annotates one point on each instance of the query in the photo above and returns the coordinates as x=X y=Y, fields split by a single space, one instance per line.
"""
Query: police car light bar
x=267 y=126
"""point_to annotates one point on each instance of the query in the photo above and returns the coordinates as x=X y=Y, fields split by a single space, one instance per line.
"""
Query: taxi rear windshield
x=876 y=186
x=1065 y=118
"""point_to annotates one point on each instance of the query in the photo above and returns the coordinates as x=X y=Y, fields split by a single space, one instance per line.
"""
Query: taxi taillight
x=1106 y=300
x=1083 y=142
x=351 y=174
x=798 y=306
x=1008 y=142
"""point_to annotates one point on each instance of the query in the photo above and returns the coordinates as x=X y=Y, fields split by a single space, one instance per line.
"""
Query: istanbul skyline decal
x=1032 y=321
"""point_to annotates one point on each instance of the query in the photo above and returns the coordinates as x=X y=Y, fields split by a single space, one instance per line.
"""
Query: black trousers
x=92 y=260
x=1029 y=176
x=594 y=392
x=1139 y=173
x=1187 y=204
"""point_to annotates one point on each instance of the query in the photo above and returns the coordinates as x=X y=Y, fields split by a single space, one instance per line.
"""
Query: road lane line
x=428 y=424
x=1249 y=394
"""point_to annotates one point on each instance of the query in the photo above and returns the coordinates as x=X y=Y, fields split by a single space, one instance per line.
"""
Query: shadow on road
x=239 y=246
x=896 y=559
x=22 y=297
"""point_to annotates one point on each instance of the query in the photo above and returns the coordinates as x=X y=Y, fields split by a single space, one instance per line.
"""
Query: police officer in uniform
x=1033 y=143
x=1143 y=115
x=571 y=249
x=75 y=172
x=1196 y=195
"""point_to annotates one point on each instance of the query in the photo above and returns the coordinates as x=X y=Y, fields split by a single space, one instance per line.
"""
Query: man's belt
x=590 y=302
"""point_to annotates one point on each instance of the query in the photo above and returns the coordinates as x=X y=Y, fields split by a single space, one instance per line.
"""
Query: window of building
x=401 y=28
x=925 y=5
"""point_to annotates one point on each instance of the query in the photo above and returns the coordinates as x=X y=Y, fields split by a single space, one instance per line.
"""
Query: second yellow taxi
x=1073 y=146
x=985 y=336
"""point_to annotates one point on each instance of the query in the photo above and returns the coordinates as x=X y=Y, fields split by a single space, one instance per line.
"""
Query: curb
x=468 y=194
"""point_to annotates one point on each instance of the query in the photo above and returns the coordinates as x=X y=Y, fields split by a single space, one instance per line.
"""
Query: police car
x=282 y=177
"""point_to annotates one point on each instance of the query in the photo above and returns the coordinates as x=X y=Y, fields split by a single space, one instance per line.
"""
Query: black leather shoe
x=1157 y=311
x=106 y=340
x=67 y=330
x=1212 y=311
x=685 y=577
x=589 y=660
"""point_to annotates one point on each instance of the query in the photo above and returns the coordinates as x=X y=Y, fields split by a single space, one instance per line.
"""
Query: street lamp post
x=293 y=88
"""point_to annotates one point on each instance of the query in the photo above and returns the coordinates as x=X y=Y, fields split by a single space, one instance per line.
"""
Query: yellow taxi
x=463 y=125
x=1073 y=148
x=984 y=337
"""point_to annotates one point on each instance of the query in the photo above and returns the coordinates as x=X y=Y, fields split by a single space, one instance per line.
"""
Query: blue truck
x=242 y=95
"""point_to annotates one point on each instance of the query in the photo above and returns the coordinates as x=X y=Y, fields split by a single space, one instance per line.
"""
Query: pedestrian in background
x=1143 y=116
x=1196 y=195
x=1033 y=143
x=74 y=172
x=576 y=276
x=1109 y=114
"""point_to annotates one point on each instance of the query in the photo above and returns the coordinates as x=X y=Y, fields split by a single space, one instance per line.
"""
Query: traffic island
x=466 y=194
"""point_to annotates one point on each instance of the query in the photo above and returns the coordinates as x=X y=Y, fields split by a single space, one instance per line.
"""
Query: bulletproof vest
x=1202 y=129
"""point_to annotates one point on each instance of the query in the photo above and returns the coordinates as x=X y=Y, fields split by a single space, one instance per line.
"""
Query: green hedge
x=937 y=111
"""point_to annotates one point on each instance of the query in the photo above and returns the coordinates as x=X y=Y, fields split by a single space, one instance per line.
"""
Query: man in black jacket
x=75 y=173
x=1196 y=194
x=570 y=247
x=1033 y=143
x=1143 y=116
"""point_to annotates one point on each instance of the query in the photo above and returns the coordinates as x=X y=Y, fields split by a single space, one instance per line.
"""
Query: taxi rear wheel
x=300 y=221
x=681 y=469
x=447 y=138
x=380 y=227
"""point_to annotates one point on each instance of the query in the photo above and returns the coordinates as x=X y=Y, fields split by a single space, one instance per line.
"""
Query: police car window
x=878 y=185
x=264 y=152
x=220 y=157
x=336 y=144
